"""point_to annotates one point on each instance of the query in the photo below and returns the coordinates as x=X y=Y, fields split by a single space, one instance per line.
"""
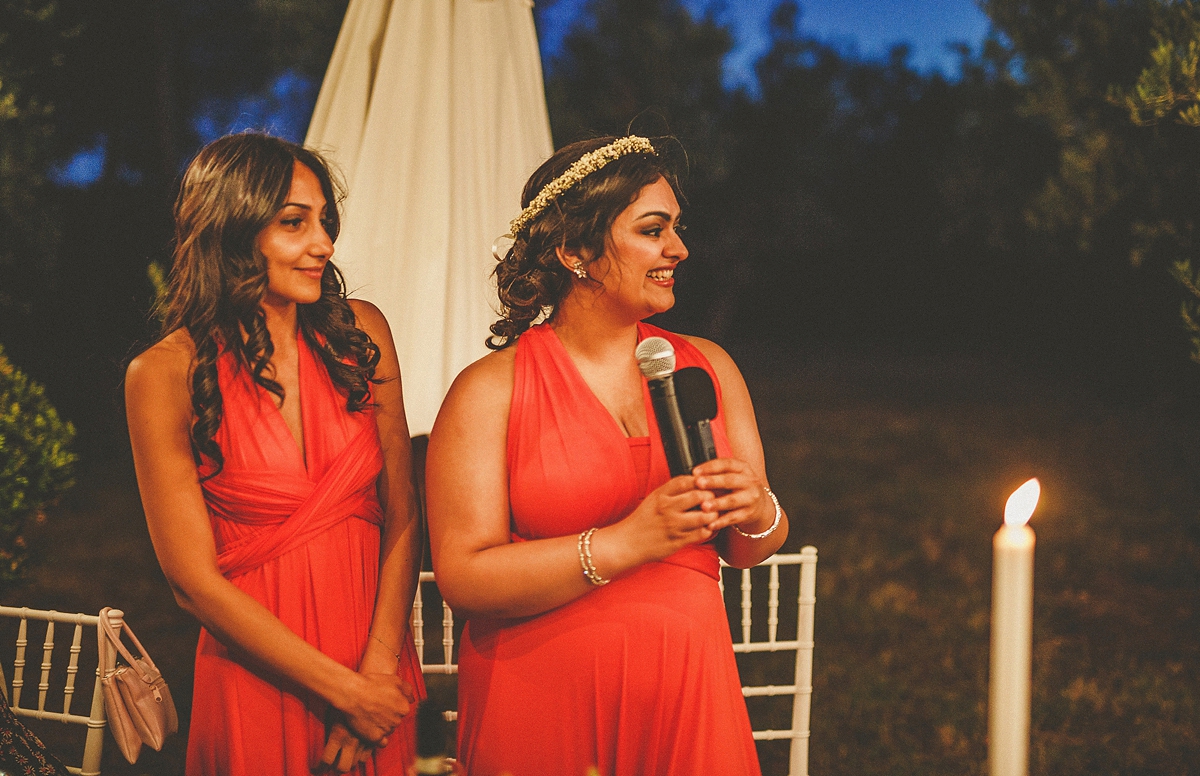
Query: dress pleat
x=300 y=534
x=635 y=678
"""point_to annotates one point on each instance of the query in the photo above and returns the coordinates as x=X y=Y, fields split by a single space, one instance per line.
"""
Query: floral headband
x=583 y=167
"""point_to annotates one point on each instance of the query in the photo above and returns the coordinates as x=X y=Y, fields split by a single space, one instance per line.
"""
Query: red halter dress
x=634 y=678
x=300 y=534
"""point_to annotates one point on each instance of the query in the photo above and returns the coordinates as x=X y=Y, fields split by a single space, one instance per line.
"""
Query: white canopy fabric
x=435 y=113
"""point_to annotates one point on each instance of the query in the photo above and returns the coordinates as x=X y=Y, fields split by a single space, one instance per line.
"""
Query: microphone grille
x=656 y=357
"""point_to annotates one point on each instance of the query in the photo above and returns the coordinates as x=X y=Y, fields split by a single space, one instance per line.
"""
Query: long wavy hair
x=530 y=280
x=232 y=189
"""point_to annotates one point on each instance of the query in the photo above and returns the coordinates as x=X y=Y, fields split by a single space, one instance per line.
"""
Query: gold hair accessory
x=583 y=167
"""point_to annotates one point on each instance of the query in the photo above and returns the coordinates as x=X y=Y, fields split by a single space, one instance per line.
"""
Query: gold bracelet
x=774 y=525
x=585 y=559
x=389 y=648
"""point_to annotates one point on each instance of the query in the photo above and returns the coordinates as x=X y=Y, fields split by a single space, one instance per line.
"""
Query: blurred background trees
x=35 y=466
x=1012 y=210
x=986 y=256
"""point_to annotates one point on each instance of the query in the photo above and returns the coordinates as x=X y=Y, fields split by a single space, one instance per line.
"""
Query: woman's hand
x=666 y=520
x=739 y=479
x=739 y=498
x=343 y=749
x=375 y=704
x=378 y=658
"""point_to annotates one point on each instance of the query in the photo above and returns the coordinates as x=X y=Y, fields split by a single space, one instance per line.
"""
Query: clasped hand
x=379 y=701
x=690 y=509
x=738 y=495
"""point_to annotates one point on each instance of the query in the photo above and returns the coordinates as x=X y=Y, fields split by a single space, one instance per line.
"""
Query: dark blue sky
x=867 y=28
x=863 y=28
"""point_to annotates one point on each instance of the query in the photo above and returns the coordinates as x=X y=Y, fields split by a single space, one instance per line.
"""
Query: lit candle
x=1012 y=630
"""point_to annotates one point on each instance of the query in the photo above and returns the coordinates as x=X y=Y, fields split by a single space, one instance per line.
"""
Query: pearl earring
x=579 y=271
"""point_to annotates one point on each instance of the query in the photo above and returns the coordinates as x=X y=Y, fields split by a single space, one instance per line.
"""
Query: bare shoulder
x=492 y=374
x=370 y=319
x=740 y=422
x=727 y=371
x=168 y=361
x=158 y=385
x=481 y=394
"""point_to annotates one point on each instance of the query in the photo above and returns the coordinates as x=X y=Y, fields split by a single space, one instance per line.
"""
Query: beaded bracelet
x=774 y=524
x=585 y=559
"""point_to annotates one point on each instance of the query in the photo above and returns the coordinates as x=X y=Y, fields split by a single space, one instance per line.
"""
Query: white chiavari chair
x=440 y=658
x=56 y=697
x=750 y=639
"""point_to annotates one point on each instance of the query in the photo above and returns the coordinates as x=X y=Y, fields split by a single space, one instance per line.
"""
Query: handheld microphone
x=698 y=407
x=656 y=359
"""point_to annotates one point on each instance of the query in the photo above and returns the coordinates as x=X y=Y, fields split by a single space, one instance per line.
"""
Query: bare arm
x=400 y=550
x=158 y=407
x=743 y=474
x=480 y=571
x=400 y=542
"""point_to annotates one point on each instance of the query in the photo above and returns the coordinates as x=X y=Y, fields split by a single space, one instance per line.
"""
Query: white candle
x=1012 y=629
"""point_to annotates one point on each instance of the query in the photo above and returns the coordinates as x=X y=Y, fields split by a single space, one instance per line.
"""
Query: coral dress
x=634 y=678
x=302 y=538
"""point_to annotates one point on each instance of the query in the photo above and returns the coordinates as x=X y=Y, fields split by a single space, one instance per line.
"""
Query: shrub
x=35 y=465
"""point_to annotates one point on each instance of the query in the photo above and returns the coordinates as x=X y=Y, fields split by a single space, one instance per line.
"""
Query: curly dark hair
x=229 y=193
x=530 y=279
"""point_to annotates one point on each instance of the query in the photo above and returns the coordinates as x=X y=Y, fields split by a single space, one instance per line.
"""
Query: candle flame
x=1022 y=502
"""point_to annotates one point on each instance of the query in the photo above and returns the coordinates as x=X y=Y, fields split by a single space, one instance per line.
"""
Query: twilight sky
x=868 y=27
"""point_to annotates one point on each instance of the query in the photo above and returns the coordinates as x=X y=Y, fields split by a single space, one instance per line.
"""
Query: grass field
x=897 y=471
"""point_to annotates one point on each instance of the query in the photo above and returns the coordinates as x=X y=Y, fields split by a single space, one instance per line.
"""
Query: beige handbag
x=136 y=698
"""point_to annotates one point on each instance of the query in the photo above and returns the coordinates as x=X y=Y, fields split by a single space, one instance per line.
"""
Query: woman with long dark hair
x=273 y=460
x=596 y=634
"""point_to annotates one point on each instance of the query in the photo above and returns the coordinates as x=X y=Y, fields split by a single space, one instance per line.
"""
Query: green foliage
x=1069 y=52
x=1116 y=210
x=1170 y=87
x=35 y=464
x=158 y=281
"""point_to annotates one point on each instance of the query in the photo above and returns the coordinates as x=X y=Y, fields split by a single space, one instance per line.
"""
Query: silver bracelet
x=774 y=524
x=585 y=559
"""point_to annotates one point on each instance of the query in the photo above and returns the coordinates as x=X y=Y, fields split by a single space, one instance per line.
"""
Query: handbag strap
x=112 y=636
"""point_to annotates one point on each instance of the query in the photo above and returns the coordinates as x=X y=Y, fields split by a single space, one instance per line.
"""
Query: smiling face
x=637 y=268
x=296 y=244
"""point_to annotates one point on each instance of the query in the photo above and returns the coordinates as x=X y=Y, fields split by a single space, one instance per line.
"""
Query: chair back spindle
x=95 y=720
x=800 y=689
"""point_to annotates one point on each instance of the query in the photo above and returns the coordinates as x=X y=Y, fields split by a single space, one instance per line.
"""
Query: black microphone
x=656 y=359
x=698 y=407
